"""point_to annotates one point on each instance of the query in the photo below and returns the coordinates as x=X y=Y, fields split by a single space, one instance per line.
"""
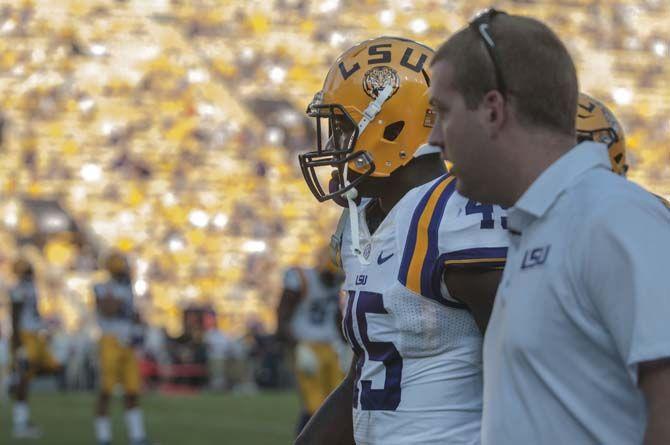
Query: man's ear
x=494 y=104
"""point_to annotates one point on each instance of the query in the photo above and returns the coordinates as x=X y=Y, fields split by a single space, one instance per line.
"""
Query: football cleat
x=27 y=432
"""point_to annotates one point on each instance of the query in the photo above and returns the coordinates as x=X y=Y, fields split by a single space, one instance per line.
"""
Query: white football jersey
x=26 y=294
x=419 y=369
x=314 y=320
x=120 y=325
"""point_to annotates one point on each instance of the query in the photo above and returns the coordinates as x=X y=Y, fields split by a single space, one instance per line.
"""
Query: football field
x=263 y=418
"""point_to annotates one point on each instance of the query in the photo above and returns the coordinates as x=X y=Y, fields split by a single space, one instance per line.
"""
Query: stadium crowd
x=168 y=130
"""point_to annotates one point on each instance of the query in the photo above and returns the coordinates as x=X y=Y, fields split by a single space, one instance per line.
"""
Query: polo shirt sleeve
x=627 y=278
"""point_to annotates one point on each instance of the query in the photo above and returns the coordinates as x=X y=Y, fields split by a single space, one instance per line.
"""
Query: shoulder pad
x=421 y=246
x=447 y=230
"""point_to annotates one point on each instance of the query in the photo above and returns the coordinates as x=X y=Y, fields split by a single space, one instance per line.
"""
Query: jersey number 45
x=387 y=398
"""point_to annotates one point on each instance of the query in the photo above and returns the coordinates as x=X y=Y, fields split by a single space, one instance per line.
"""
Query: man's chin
x=468 y=192
x=462 y=188
x=473 y=194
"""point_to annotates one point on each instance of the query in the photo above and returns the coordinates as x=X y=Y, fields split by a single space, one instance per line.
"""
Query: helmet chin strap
x=369 y=114
x=374 y=108
x=351 y=195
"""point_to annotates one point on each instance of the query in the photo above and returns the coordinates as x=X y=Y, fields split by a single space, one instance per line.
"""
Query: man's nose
x=436 y=138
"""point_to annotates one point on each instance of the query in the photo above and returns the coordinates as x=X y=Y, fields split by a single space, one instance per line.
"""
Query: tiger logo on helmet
x=596 y=122
x=377 y=78
x=375 y=108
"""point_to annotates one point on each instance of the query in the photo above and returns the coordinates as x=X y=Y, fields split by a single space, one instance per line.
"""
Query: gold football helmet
x=116 y=263
x=595 y=122
x=22 y=268
x=374 y=104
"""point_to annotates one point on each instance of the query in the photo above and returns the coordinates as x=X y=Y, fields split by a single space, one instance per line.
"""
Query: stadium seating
x=145 y=121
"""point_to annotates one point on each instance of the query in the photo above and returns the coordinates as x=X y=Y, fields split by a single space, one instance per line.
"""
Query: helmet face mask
x=334 y=152
x=606 y=136
x=371 y=116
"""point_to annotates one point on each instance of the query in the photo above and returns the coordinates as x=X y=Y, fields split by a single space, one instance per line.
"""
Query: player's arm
x=476 y=288
x=338 y=322
x=332 y=423
x=291 y=296
x=655 y=384
x=287 y=305
x=17 y=307
x=107 y=305
x=472 y=243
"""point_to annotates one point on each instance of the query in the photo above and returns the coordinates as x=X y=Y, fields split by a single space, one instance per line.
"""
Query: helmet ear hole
x=392 y=131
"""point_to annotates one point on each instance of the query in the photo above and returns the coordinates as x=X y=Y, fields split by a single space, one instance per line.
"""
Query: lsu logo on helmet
x=596 y=122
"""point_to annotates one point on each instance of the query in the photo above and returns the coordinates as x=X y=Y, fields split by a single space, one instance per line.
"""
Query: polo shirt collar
x=546 y=189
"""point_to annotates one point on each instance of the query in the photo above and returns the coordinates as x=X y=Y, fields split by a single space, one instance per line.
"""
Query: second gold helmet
x=116 y=263
x=595 y=122
x=22 y=268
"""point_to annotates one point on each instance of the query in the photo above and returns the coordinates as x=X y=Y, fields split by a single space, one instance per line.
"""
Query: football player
x=118 y=364
x=31 y=353
x=308 y=320
x=596 y=122
x=422 y=263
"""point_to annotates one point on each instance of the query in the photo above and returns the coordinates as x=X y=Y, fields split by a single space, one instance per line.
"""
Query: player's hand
x=20 y=365
x=305 y=359
x=110 y=306
x=21 y=353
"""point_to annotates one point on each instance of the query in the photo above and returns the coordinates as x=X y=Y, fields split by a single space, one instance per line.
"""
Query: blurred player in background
x=4 y=365
x=596 y=122
x=308 y=324
x=30 y=347
x=118 y=364
x=422 y=263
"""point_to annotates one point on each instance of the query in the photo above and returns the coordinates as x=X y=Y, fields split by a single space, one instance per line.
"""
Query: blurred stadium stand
x=168 y=129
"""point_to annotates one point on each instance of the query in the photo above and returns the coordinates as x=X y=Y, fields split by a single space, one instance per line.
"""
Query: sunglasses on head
x=481 y=24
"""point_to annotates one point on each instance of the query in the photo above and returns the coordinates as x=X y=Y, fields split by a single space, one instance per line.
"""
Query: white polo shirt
x=584 y=298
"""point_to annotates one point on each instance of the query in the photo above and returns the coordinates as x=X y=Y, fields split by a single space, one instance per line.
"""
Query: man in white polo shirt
x=577 y=348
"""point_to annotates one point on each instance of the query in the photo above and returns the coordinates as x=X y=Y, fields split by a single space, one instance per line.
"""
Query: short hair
x=539 y=74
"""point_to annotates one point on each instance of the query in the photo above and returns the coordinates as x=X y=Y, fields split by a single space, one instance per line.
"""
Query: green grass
x=258 y=419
